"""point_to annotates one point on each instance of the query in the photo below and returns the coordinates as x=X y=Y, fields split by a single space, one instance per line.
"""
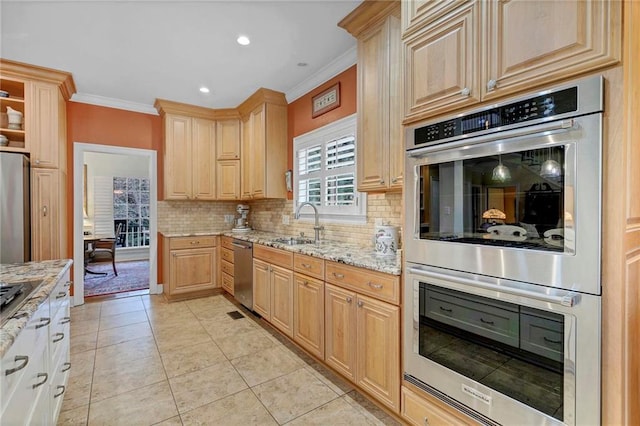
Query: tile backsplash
x=266 y=215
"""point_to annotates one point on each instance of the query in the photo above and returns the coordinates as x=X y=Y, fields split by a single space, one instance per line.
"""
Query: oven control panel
x=534 y=108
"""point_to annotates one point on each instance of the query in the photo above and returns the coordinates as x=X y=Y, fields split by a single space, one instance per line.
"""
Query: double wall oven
x=502 y=251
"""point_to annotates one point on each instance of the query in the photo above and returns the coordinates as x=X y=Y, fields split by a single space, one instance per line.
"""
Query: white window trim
x=329 y=131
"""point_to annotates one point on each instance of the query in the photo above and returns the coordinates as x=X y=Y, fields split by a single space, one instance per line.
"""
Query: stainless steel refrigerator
x=15 y=212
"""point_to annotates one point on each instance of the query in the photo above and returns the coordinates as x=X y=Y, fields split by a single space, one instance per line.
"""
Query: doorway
x=148 y=157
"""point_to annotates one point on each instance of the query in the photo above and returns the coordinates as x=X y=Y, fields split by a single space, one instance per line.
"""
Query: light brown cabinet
x=340 y=330
x=227 y=264
x=422 y=409
x=380 y=154
x=273 y=287
x=228 y=142
x=40 y=94
x=308 y=314
x=264 y=145
x=478 y=51
x=190 y=266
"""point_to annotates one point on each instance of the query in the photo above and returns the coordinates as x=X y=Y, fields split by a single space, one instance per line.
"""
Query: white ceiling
x=128 y=53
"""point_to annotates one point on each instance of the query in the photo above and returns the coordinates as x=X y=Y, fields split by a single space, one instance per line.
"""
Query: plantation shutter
x=103 y=205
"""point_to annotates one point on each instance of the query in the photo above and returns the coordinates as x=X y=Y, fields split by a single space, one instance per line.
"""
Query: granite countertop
x=349 y=254
x=49 y=271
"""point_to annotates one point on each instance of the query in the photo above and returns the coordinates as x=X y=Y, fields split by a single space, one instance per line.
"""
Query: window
x=131 y=208
x=325 y=172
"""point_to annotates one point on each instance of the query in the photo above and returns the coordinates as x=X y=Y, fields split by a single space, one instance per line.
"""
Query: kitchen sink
x=292 y=241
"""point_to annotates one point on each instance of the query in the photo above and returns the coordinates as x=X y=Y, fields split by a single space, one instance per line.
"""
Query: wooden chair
x=105 y=250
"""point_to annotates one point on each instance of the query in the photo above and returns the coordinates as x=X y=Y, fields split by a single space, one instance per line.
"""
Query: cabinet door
x=45 y=220
x=228 y=181
x=378 y=350
x=192 y=270
x=442 y=71
x=340 y=330
x=416 y=13
x=282 y=299
x=308 y=314
x=177 y=158
x=570 y=38
x=261 y=289
x=258 y=152
x=203 y=159
x=246 y=159
x=43 y=125
x=228 y=139
x=373 y=109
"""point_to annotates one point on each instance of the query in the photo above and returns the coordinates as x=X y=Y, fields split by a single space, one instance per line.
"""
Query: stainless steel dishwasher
x=243 y=272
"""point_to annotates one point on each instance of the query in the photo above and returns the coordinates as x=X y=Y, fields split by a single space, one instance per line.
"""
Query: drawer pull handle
x=60 y=337
x=67 y=367
x=67 y=284
x=349 y=299
x=43 y=323
x=194 y=242
x=375 y=285
x=19 y=358
x=43 y=375
x=546 y=339
x=61 y=295
x=482 y=320
x=337 y=275
x=65 y=320
x=62 y=389
x=360 y=304
x=306 y=265
x=446 y=310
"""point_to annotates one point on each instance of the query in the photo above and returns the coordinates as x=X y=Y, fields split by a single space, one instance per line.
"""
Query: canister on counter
x=386 y=240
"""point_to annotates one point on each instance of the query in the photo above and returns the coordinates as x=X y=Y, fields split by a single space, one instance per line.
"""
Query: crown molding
x=104 y=101
x=333 y=68
x=20 y=71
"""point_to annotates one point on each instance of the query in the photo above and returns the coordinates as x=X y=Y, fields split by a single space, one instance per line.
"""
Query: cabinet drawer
x=274 y=256
x=542 y=335
x=227 y=283
x=227 y=255
x=376 y=284
x=308 y=265
x=59 y=297
x=226 y=267
x=60 y=335
x=227 y=242
x=479 y=316
x=192 y=242
x=420 y=411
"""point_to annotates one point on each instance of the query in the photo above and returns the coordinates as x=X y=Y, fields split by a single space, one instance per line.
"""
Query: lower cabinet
x=190 y=266
x=227 y=264
x=363 y=342
x=308 y=314
x=273 y=295
x=35 y=368
x=48 y=237
x=423 y=409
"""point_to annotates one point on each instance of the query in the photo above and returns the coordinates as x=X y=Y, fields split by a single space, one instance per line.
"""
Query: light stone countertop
x=49 y=271
x=349 y=254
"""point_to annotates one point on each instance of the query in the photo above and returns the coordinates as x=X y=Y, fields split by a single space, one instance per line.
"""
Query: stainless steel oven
x=502 y=257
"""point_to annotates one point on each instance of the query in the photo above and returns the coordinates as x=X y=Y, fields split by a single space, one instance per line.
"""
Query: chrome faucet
x=317 y=228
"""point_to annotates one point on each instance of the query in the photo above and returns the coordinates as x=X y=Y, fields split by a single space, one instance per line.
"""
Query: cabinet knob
x=174 y=255
x=381 y=181
x=465 y=92
x=44 y=210
x=491 y=84
x=349 y=299
x=394 y=180
x=360 y=304
x=306 y=283
x=426 y=421
x=37 y=161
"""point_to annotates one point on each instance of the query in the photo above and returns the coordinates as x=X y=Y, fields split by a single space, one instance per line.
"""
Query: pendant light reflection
x=501 y=173
x=550 y=168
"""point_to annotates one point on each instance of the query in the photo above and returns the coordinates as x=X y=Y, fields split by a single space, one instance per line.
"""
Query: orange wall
x=109 y=126
x=299 y=111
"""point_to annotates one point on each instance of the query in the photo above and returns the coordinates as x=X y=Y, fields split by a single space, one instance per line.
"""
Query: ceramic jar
x=15 y=119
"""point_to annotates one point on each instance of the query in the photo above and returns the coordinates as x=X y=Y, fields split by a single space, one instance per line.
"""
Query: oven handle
x=571 y=299
x=553 y=128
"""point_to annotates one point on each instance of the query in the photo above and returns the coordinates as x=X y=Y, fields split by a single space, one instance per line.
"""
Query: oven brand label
x=476 y=394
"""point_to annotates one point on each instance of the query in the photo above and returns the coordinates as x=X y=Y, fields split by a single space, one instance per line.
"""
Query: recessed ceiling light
x=243 y=40
x=302 y=64
x=204 y=89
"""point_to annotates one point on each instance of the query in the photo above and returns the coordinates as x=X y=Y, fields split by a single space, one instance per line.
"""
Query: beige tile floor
x=142 y=361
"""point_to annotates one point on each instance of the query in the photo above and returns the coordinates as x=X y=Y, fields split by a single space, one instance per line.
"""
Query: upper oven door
x=522 y=204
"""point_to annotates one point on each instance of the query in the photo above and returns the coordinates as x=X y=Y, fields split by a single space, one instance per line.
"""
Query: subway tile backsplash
x=266 y=215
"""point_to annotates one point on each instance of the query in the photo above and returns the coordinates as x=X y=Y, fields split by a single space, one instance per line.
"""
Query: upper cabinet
x=376 y=25
x=463 y=52
x=264 y=145
x=194 y=139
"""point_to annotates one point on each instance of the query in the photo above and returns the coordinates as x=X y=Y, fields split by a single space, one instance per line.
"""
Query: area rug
x=132 y=276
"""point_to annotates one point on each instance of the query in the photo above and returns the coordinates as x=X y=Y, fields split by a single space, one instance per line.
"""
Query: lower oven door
x=512 y=352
